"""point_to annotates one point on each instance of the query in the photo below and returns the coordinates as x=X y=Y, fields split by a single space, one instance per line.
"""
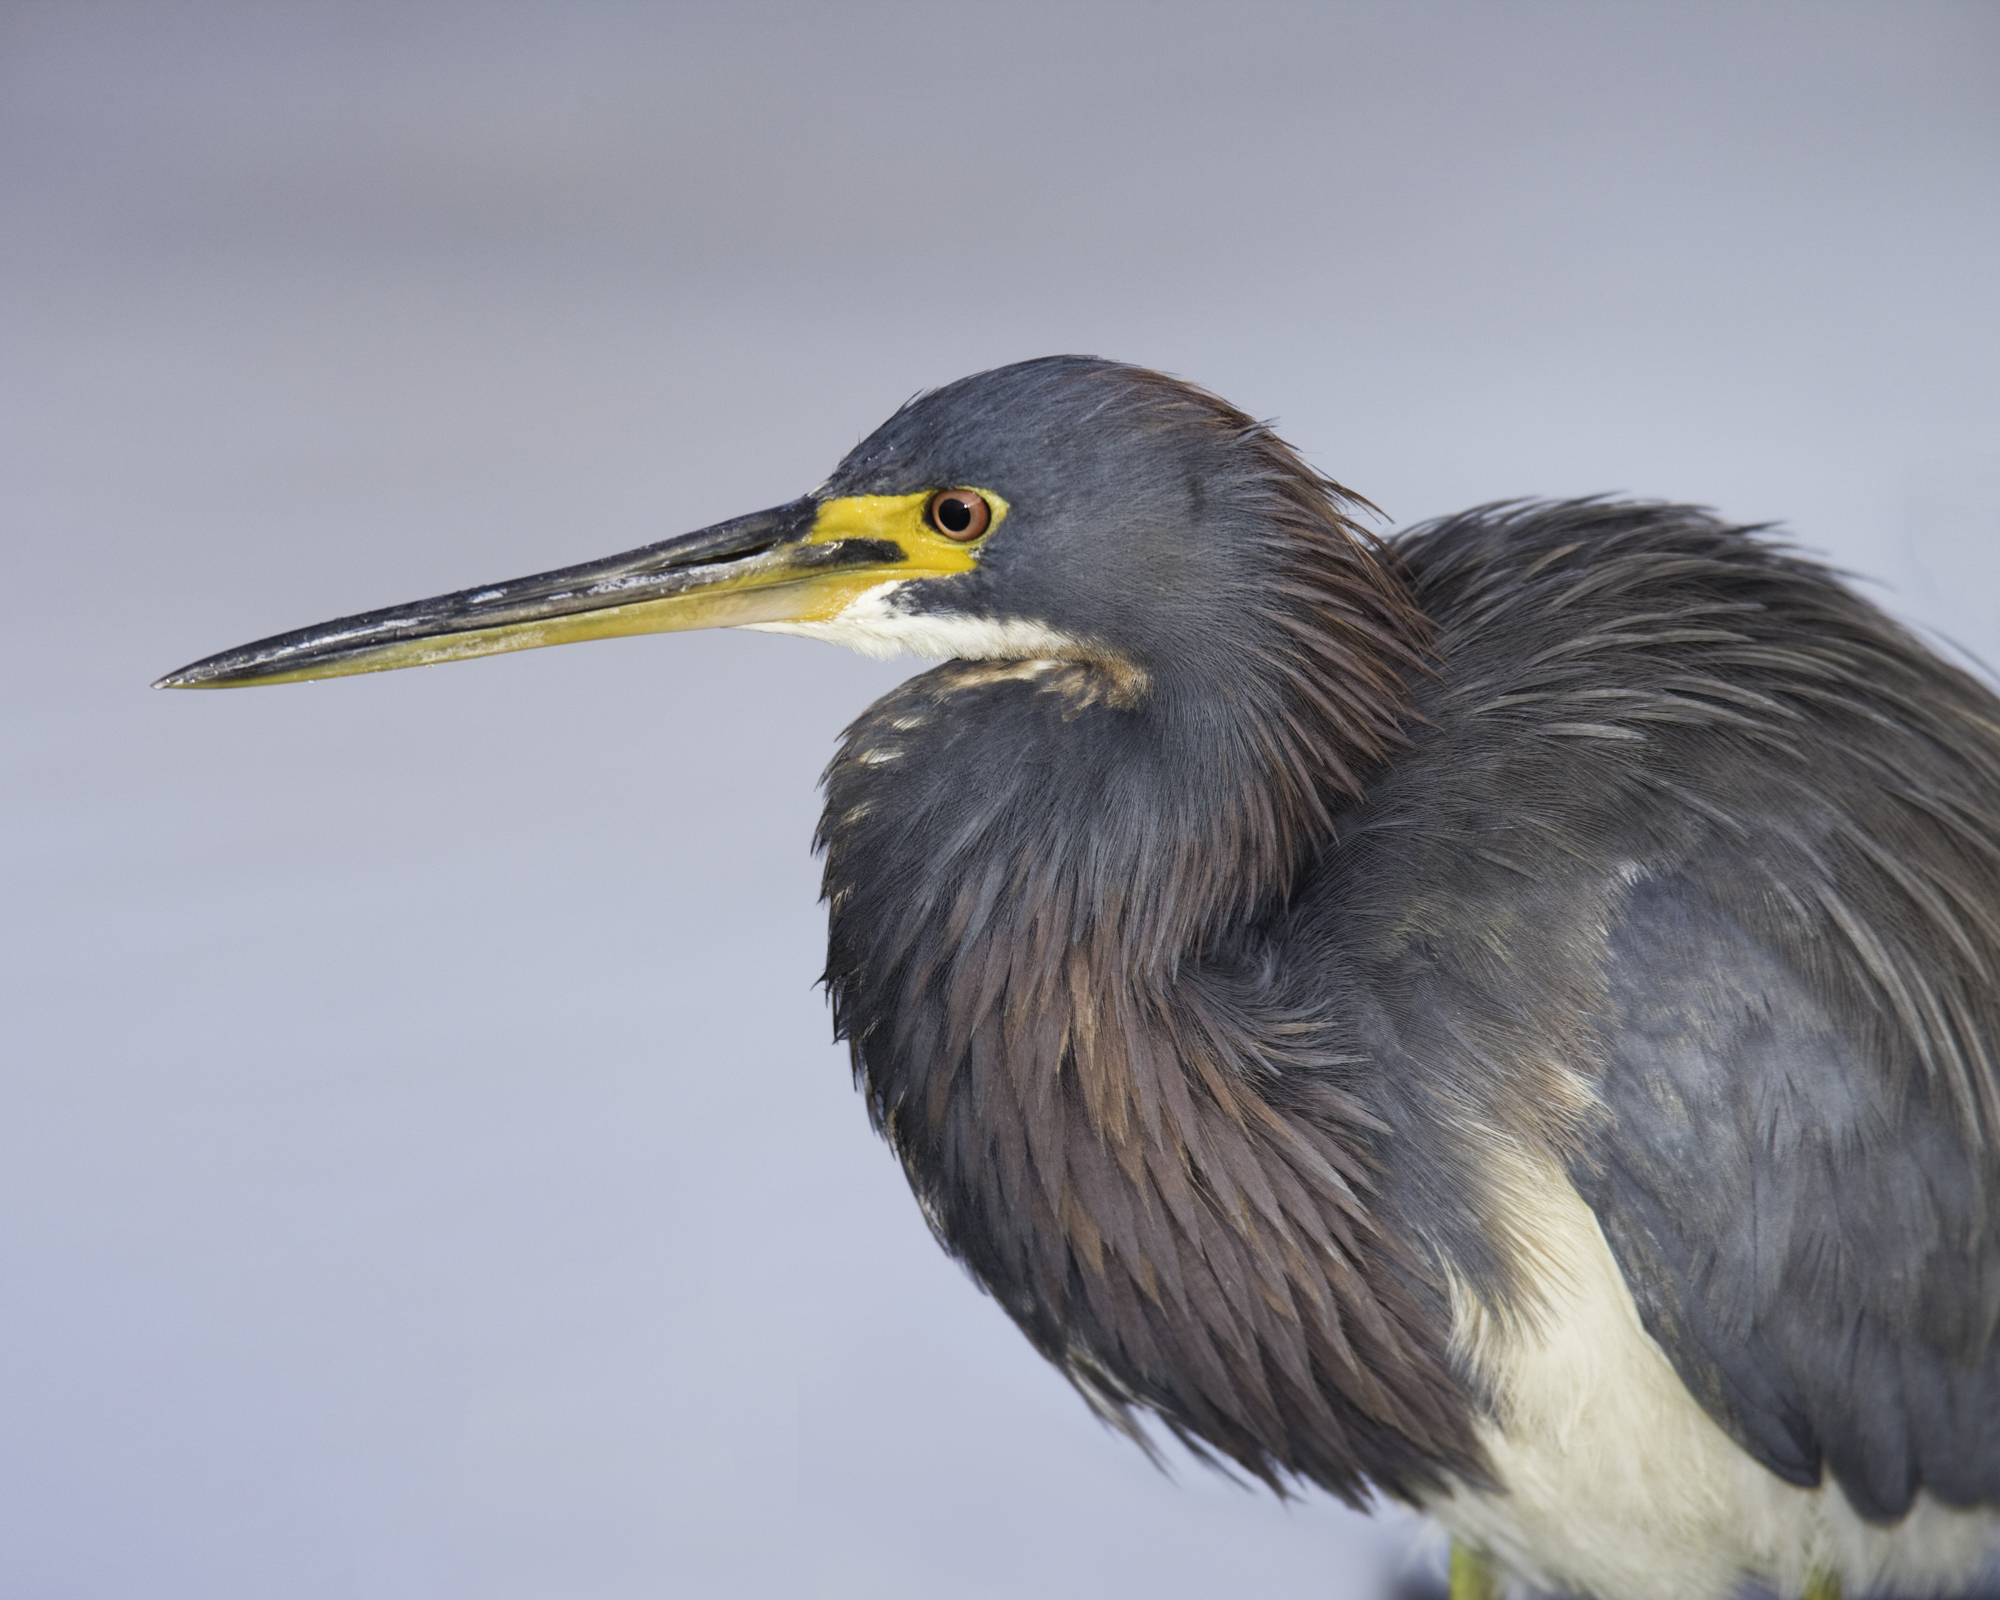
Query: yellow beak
x=802 y=562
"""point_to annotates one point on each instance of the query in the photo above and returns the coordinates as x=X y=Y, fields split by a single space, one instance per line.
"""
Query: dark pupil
x=953 y=514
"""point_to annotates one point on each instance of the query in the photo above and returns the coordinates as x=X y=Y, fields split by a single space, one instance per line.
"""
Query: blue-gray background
x=424 y=1169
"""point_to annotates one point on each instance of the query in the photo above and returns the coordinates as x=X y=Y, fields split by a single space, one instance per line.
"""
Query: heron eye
x=960 y=514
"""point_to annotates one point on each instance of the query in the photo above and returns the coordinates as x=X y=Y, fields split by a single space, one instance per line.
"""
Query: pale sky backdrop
x=425 y=1172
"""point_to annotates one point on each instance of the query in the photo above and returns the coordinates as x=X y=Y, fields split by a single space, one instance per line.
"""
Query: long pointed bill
x=802 y=562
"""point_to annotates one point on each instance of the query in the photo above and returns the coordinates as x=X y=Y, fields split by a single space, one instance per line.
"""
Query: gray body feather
x=1796 y=1164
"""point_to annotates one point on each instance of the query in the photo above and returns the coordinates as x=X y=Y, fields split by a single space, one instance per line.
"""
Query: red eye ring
x=959 y=514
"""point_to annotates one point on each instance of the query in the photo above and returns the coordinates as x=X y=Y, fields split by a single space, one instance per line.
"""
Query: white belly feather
x=1619 y=1486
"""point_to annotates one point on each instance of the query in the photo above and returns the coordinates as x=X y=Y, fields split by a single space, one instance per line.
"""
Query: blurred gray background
x=424 y=1168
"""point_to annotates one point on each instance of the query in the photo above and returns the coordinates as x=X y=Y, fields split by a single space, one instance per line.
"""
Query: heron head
x=1106 y=511
x=1066 y=507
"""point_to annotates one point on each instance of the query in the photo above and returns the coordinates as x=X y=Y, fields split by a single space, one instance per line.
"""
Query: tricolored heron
x=1505 y=1017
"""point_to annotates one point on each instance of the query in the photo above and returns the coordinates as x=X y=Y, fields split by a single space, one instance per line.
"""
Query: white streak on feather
x=870 y=624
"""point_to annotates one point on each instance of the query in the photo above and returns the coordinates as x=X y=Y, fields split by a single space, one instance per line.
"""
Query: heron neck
x=1045 y=953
